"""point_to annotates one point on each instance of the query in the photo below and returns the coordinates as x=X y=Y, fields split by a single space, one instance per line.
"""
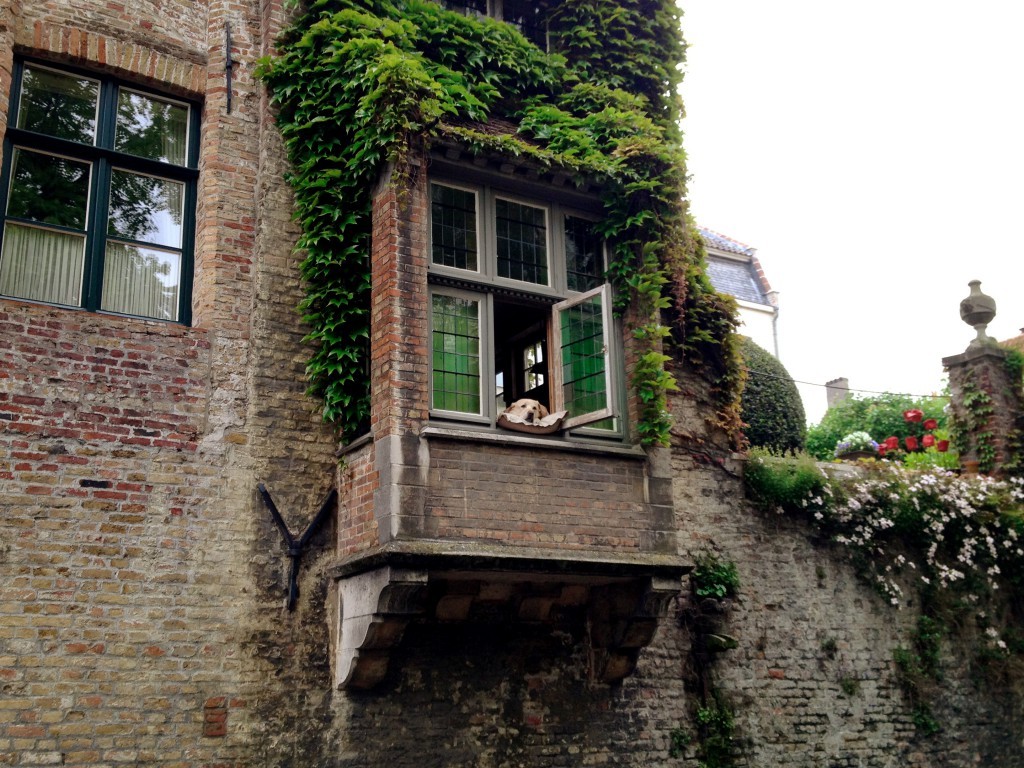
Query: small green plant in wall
x=714 y=577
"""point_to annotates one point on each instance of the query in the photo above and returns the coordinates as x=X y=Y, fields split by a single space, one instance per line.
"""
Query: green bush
x=770 y=404
x=784 y=485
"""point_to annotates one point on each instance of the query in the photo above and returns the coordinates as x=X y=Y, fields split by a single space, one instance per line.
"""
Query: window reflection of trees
x=58 y=105
x=49 y=189
x=139 y=246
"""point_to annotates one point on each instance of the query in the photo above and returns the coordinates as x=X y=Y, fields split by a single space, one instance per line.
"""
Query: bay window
x=519 y=308
x=98 y=195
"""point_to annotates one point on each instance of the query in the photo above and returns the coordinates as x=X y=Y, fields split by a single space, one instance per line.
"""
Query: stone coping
x=479 y=557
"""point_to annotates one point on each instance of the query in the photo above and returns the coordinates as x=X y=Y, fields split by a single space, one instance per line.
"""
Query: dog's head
x=529 y=411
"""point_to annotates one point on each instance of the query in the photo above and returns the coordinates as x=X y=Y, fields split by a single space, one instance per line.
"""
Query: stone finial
x=977 y=310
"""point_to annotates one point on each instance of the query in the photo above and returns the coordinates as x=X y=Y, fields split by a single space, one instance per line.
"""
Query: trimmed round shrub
x=771 y=408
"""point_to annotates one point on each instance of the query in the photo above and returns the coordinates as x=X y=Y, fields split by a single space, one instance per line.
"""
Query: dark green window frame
x=106 y=163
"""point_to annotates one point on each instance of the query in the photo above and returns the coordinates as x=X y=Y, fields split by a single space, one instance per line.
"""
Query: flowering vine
x=957 y=540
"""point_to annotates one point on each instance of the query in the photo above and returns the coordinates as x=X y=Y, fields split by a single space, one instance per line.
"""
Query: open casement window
x=581 y=360
x=98 y=195
x=519 y=309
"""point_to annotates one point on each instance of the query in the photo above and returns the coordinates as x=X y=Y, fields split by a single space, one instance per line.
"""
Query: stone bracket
x=375 y=608
x=623 y=620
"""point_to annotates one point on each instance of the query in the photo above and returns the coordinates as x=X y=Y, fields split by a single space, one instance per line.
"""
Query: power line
x=860 y=391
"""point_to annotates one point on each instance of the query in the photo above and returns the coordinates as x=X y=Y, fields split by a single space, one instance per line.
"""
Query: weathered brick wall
x=357 y=525
x=399 y=367
x=141 y=578
x=548 y=499
x=797 y=602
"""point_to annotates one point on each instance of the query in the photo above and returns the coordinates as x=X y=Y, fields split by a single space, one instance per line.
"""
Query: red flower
x=928 y=441
x=942 y=446
x=930 y=424
x=881 y=449
x=913 y=415
x=892 y=443
x=911 y=443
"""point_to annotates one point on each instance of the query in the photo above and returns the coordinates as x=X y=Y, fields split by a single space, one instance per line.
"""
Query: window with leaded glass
x=453 y=240
x=98 y=195
x=519 y=309
x=522 y=241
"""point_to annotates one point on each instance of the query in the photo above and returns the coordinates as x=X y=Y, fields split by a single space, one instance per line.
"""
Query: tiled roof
x=736 y=278
x=723 y=243
x=1017 y=342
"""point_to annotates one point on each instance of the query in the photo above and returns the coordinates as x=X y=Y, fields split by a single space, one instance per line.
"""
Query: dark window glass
x=151 y=127
x=528 y=17
x=58 y=104
x=522 y=242
x=584 y=255
x=453 y=227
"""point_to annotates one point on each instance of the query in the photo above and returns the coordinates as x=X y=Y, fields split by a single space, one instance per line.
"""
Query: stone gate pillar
x=986 y=393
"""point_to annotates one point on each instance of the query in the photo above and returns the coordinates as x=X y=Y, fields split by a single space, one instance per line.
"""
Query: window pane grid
x=584 y=388
x=453 y=227
x=456 y=354
x=79 y=232
x=583 y=255
x=522 y=242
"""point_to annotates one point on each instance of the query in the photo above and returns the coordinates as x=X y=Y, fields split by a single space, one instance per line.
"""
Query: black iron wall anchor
x=228 y=62
x=296 y=548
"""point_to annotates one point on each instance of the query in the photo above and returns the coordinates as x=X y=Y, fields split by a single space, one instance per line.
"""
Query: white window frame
x=557 y=365
x=487 y=279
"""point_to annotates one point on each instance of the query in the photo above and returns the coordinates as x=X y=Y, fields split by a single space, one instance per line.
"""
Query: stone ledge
x=516 y=440
x=495 y=558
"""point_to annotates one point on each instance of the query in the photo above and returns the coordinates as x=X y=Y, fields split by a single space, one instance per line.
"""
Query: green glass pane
x=58 y=104
x=49 y=189
x=583 y=358
x=146 y=208
x=456 y=360
x=151 y=127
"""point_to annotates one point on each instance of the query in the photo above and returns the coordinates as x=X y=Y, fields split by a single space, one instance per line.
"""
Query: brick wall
x=549 y=499
x=141 y=579
x=399 y=370
x=357 y=524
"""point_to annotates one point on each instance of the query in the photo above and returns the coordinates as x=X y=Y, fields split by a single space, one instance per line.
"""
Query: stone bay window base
x=445 y=517
x=621 y=601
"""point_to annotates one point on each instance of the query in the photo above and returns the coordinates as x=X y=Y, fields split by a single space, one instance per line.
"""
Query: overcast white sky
x=873 y=153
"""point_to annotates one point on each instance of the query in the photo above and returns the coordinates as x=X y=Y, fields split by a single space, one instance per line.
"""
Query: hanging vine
x=360 y=84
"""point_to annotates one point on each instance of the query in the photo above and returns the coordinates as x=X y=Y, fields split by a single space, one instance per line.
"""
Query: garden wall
x=812 y=681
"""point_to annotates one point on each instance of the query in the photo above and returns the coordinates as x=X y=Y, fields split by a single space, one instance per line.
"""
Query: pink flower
x=913 y=415
x=930 y=424
x=911 y=443
x=892 y=443
x=928 y=441
x=942 y=446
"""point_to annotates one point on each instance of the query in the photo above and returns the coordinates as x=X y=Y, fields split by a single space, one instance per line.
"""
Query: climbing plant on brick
x=360 y=85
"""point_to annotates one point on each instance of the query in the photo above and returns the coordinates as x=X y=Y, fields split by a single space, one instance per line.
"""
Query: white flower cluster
x=963 y=527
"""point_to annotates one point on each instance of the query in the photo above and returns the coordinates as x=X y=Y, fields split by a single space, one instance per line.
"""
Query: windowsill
x=519 y=440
